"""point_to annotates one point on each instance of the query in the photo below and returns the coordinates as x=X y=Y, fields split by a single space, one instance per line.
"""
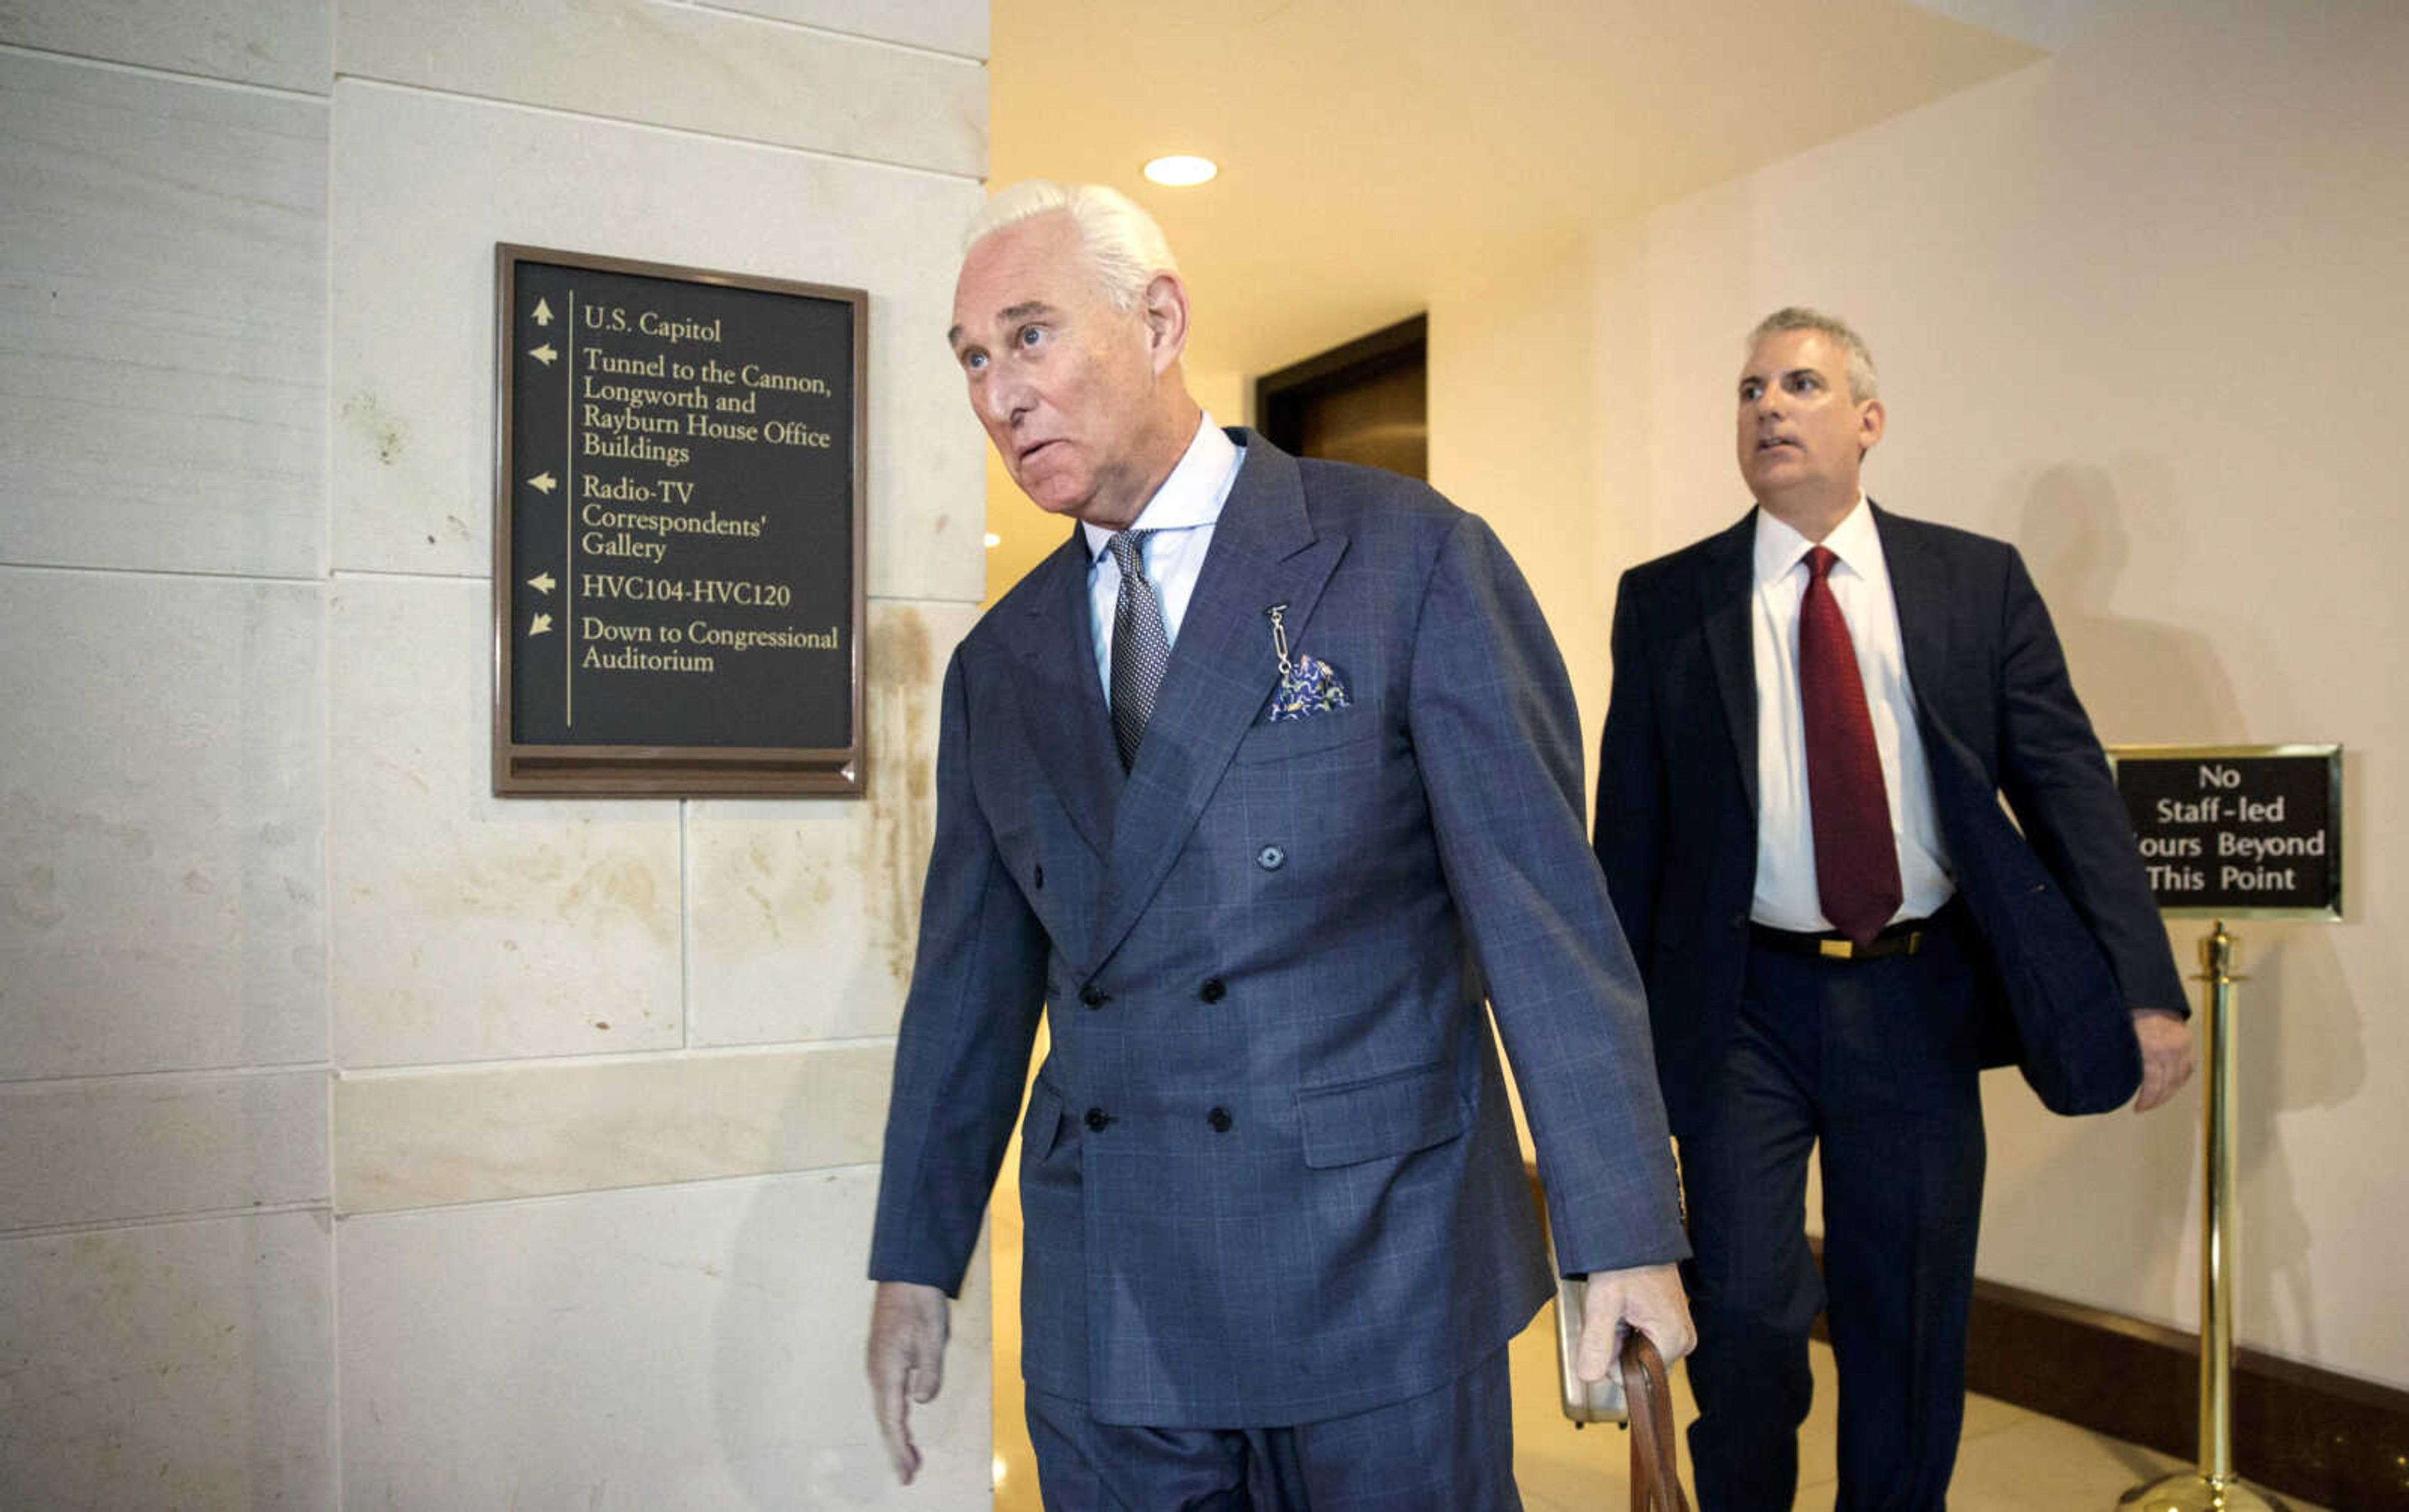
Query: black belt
x=1905 y=938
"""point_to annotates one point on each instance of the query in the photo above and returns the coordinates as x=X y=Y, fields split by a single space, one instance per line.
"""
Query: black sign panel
x=678 y=530
x=2238 y=830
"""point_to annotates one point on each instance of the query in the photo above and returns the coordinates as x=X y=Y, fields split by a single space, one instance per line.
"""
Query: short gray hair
x=1863 y=382
x=1122 y=243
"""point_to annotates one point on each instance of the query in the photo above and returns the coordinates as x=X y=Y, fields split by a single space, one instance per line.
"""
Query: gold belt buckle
x=1835 y=949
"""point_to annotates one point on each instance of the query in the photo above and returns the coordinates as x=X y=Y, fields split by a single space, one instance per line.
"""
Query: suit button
x=1094 y=996
x=1097 y=1119
x=1212 y=991
x=1220 y=1119
x=1271 y=857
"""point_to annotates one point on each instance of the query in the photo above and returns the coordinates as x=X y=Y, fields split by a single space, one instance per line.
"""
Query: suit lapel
x=1063 y=700
x=1919 y=585
x=1726 y=596
x=1222 y=668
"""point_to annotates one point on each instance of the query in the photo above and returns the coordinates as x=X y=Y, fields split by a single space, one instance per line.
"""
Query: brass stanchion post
x=2214 y=1487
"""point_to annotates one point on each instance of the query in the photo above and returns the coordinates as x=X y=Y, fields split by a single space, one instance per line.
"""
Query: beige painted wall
x=371 y=1140
x=1540 y=425
x=2137 y=309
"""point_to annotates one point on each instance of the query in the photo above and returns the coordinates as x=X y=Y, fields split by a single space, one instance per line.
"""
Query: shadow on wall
x=2296 y=1031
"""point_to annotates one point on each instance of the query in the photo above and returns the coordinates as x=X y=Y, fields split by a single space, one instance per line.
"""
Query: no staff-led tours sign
x=2233 y=831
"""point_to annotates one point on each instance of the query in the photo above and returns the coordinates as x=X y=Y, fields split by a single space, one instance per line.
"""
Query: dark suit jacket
x=1269 y=1173
x=2064 y=907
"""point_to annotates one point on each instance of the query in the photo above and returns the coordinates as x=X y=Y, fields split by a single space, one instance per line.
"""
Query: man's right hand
x=907 y=1363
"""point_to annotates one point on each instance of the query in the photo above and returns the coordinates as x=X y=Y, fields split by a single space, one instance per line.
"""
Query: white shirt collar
x=1191 y=496
x=1779 y=547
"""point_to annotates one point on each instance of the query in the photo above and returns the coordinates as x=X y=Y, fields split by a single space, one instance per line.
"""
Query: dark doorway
x=1367 y=402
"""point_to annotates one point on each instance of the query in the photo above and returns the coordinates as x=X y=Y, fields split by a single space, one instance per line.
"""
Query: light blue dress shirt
x=1182 y=514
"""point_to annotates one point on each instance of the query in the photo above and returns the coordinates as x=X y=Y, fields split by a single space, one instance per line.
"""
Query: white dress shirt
x=1786 y=895
x=1182 y=514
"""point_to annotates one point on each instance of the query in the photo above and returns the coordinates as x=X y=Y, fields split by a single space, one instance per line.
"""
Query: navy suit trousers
x=1878 y=1063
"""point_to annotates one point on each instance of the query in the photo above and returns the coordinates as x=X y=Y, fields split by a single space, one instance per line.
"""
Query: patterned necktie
x=1141 y=649
x=1856 y=861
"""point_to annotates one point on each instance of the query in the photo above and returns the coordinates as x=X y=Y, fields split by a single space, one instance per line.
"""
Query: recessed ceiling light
x=993 y=540
x=1179 y=172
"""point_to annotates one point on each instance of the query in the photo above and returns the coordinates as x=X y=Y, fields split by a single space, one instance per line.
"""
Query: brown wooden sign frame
x=669 y=766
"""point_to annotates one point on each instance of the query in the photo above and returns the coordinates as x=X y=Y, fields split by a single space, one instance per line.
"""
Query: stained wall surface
x=372 y=1140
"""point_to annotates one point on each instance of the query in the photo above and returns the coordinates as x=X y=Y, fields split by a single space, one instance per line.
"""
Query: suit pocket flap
x=1280 y=740
x=1394 y=1116
x=1041 y=1127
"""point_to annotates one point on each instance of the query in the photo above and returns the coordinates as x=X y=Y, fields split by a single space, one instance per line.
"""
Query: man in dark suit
x=1262 y=784
x=1814 y=715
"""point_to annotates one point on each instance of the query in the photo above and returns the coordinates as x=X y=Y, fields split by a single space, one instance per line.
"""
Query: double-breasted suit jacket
x=1269 y=1174
x=2061 y=904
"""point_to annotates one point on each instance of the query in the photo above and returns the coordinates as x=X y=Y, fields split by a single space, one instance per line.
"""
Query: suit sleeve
x=2056 y=777
x=1494 y=728
x=1630 y=780
x=961 y=1057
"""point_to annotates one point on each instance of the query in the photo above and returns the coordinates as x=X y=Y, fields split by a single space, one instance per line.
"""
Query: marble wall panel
x=694 y=1346
x=956 y=26
x=280 y=44
x=89 y=1152
x=805 y=915
x=425 y=186
x=162 y=812
x=462 y=926
x=173 y=1365
x=163 y=323
x=698 y=69
x=419 y=1139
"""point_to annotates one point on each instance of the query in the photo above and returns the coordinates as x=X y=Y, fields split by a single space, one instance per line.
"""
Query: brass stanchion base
x=2189 y=1490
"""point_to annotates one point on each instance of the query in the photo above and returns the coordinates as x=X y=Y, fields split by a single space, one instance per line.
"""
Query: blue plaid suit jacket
x=1269 y=1173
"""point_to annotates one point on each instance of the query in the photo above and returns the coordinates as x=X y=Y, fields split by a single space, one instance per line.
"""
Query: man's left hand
x=2166 y=1056
x=1646 y=1297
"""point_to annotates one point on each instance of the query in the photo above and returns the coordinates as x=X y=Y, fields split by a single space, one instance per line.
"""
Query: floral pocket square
x=1307 y=687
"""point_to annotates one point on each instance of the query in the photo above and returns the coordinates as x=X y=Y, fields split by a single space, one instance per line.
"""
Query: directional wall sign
x=2237 y=831
x=678 y=530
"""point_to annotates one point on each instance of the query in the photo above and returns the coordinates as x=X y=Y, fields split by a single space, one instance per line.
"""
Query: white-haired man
x=1263 y=781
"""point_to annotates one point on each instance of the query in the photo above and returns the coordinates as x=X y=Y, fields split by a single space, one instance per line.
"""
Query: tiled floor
x=2010 y=1461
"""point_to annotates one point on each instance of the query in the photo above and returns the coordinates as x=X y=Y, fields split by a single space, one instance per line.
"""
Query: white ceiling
x=1373 y=150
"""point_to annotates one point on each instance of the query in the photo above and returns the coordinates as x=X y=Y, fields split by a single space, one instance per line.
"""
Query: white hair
x=1122 y=243
x=1863 y=382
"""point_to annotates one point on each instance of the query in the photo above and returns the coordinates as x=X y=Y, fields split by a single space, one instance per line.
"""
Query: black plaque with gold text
x=678 y=526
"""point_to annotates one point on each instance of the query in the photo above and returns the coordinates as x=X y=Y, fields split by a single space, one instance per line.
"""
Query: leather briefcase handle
x=1655 y=1470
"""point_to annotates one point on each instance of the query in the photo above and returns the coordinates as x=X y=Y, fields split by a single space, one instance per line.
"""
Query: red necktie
x=1856 y=862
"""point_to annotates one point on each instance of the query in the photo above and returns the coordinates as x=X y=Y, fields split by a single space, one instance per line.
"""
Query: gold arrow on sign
x=542 y=482
x=541 y=583
x=541 y=626
x=544 y=354
x=542 y=313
